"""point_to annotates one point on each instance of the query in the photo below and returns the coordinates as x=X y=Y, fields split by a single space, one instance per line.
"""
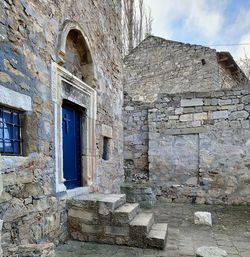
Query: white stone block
x=129 y=108
x=192 y=102
x=200 y=116
x=186 y=117
x=211 y=251
x=173 y=117
x=107 y=131
x=220 y=115
x=14 y=99
x=178 y=111
x=225 y=101
x=203 y=218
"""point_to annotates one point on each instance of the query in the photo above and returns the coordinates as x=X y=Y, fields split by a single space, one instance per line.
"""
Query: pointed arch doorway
x=74 y=100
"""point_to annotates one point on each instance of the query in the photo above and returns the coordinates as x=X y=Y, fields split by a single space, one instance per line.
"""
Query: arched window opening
x=77 y=59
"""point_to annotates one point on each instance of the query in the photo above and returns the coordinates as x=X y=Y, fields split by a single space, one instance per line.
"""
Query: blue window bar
x=11 y=142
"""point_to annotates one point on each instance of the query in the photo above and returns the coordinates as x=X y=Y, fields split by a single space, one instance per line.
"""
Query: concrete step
x=125 y=213
x=139 y=229
x=104 y=203
x=157 y=236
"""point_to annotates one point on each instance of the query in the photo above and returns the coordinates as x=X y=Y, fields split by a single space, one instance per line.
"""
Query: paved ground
x=230 y=231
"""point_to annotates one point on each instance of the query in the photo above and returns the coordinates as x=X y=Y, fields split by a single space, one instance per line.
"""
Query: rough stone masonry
x=30 y=35
x=46 y=49
x=192 y=146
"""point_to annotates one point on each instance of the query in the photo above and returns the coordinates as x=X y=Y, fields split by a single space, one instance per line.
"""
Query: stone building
x=60 y=112
x=158 y=65
x=186 y=122
x=61 y=128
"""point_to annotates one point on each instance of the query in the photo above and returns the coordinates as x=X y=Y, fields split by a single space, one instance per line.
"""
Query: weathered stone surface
x=13 y=99
x=107 y=131
x=84 y=215
x=200 y=116
x=5 y=78
x=1 y=184
x=30 y=250
x=173 y=67
x=12 y=69
x=205 y=251
x=192 y=102
x=221 y=128
x=125 y=213
x=144 y=194
x=1 y=225
x=123 y=225
x=143 y=221
x=158 y=235
x=239 y=115
x=109 y=202
x=220 y=115
x=31 y=33
x=231 y=231
x=245 y=99
x=225 y=101
x=203 y=218
x=186 y=117
x=139 y=228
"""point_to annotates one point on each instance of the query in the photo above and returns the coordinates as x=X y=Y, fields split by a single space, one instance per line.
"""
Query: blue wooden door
x=71 y=146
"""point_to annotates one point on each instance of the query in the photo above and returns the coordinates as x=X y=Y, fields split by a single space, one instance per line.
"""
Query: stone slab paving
x=230 y=231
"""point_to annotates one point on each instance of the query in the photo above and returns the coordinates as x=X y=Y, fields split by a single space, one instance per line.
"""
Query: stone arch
x=74 y=53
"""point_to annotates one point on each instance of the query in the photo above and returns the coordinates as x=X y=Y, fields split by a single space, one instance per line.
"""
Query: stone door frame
x=59 y=74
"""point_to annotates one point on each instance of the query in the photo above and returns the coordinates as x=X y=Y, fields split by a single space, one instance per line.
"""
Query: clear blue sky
x=205 y=22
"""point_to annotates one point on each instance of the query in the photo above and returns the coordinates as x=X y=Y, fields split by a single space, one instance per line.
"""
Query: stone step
x=125 y=213
x=158 y=235
x=139 y=229
x=103 y=203
x=143 y=220
x=107 y=218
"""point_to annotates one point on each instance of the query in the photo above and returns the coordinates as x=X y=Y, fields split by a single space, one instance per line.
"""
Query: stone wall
x=30 y=211
x=27 y=49
x=135 y=120
x=1 y=221
x=159 y=65
x=1 y=226
x=199 y=146
x=226 y=78
x=31 y=250
x=29 y=35
x=164 y=66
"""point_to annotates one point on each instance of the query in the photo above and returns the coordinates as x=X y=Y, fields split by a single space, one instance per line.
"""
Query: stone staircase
x=107 y=218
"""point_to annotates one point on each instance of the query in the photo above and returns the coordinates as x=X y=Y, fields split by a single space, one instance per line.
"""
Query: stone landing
x=107 y=218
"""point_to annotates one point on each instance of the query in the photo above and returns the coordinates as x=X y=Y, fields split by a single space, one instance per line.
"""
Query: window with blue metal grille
x=10 y=132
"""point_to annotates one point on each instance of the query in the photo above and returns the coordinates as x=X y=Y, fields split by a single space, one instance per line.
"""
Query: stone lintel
x=107 y=131
x=14 y=99
x=185 y=131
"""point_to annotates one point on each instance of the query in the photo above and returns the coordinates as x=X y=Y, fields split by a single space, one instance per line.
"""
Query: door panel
x=71 y=146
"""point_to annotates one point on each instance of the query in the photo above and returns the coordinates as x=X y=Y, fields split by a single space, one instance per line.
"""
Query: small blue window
x=10 y=132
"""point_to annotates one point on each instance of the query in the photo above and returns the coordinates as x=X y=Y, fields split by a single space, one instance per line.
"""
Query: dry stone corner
x=95 y=148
